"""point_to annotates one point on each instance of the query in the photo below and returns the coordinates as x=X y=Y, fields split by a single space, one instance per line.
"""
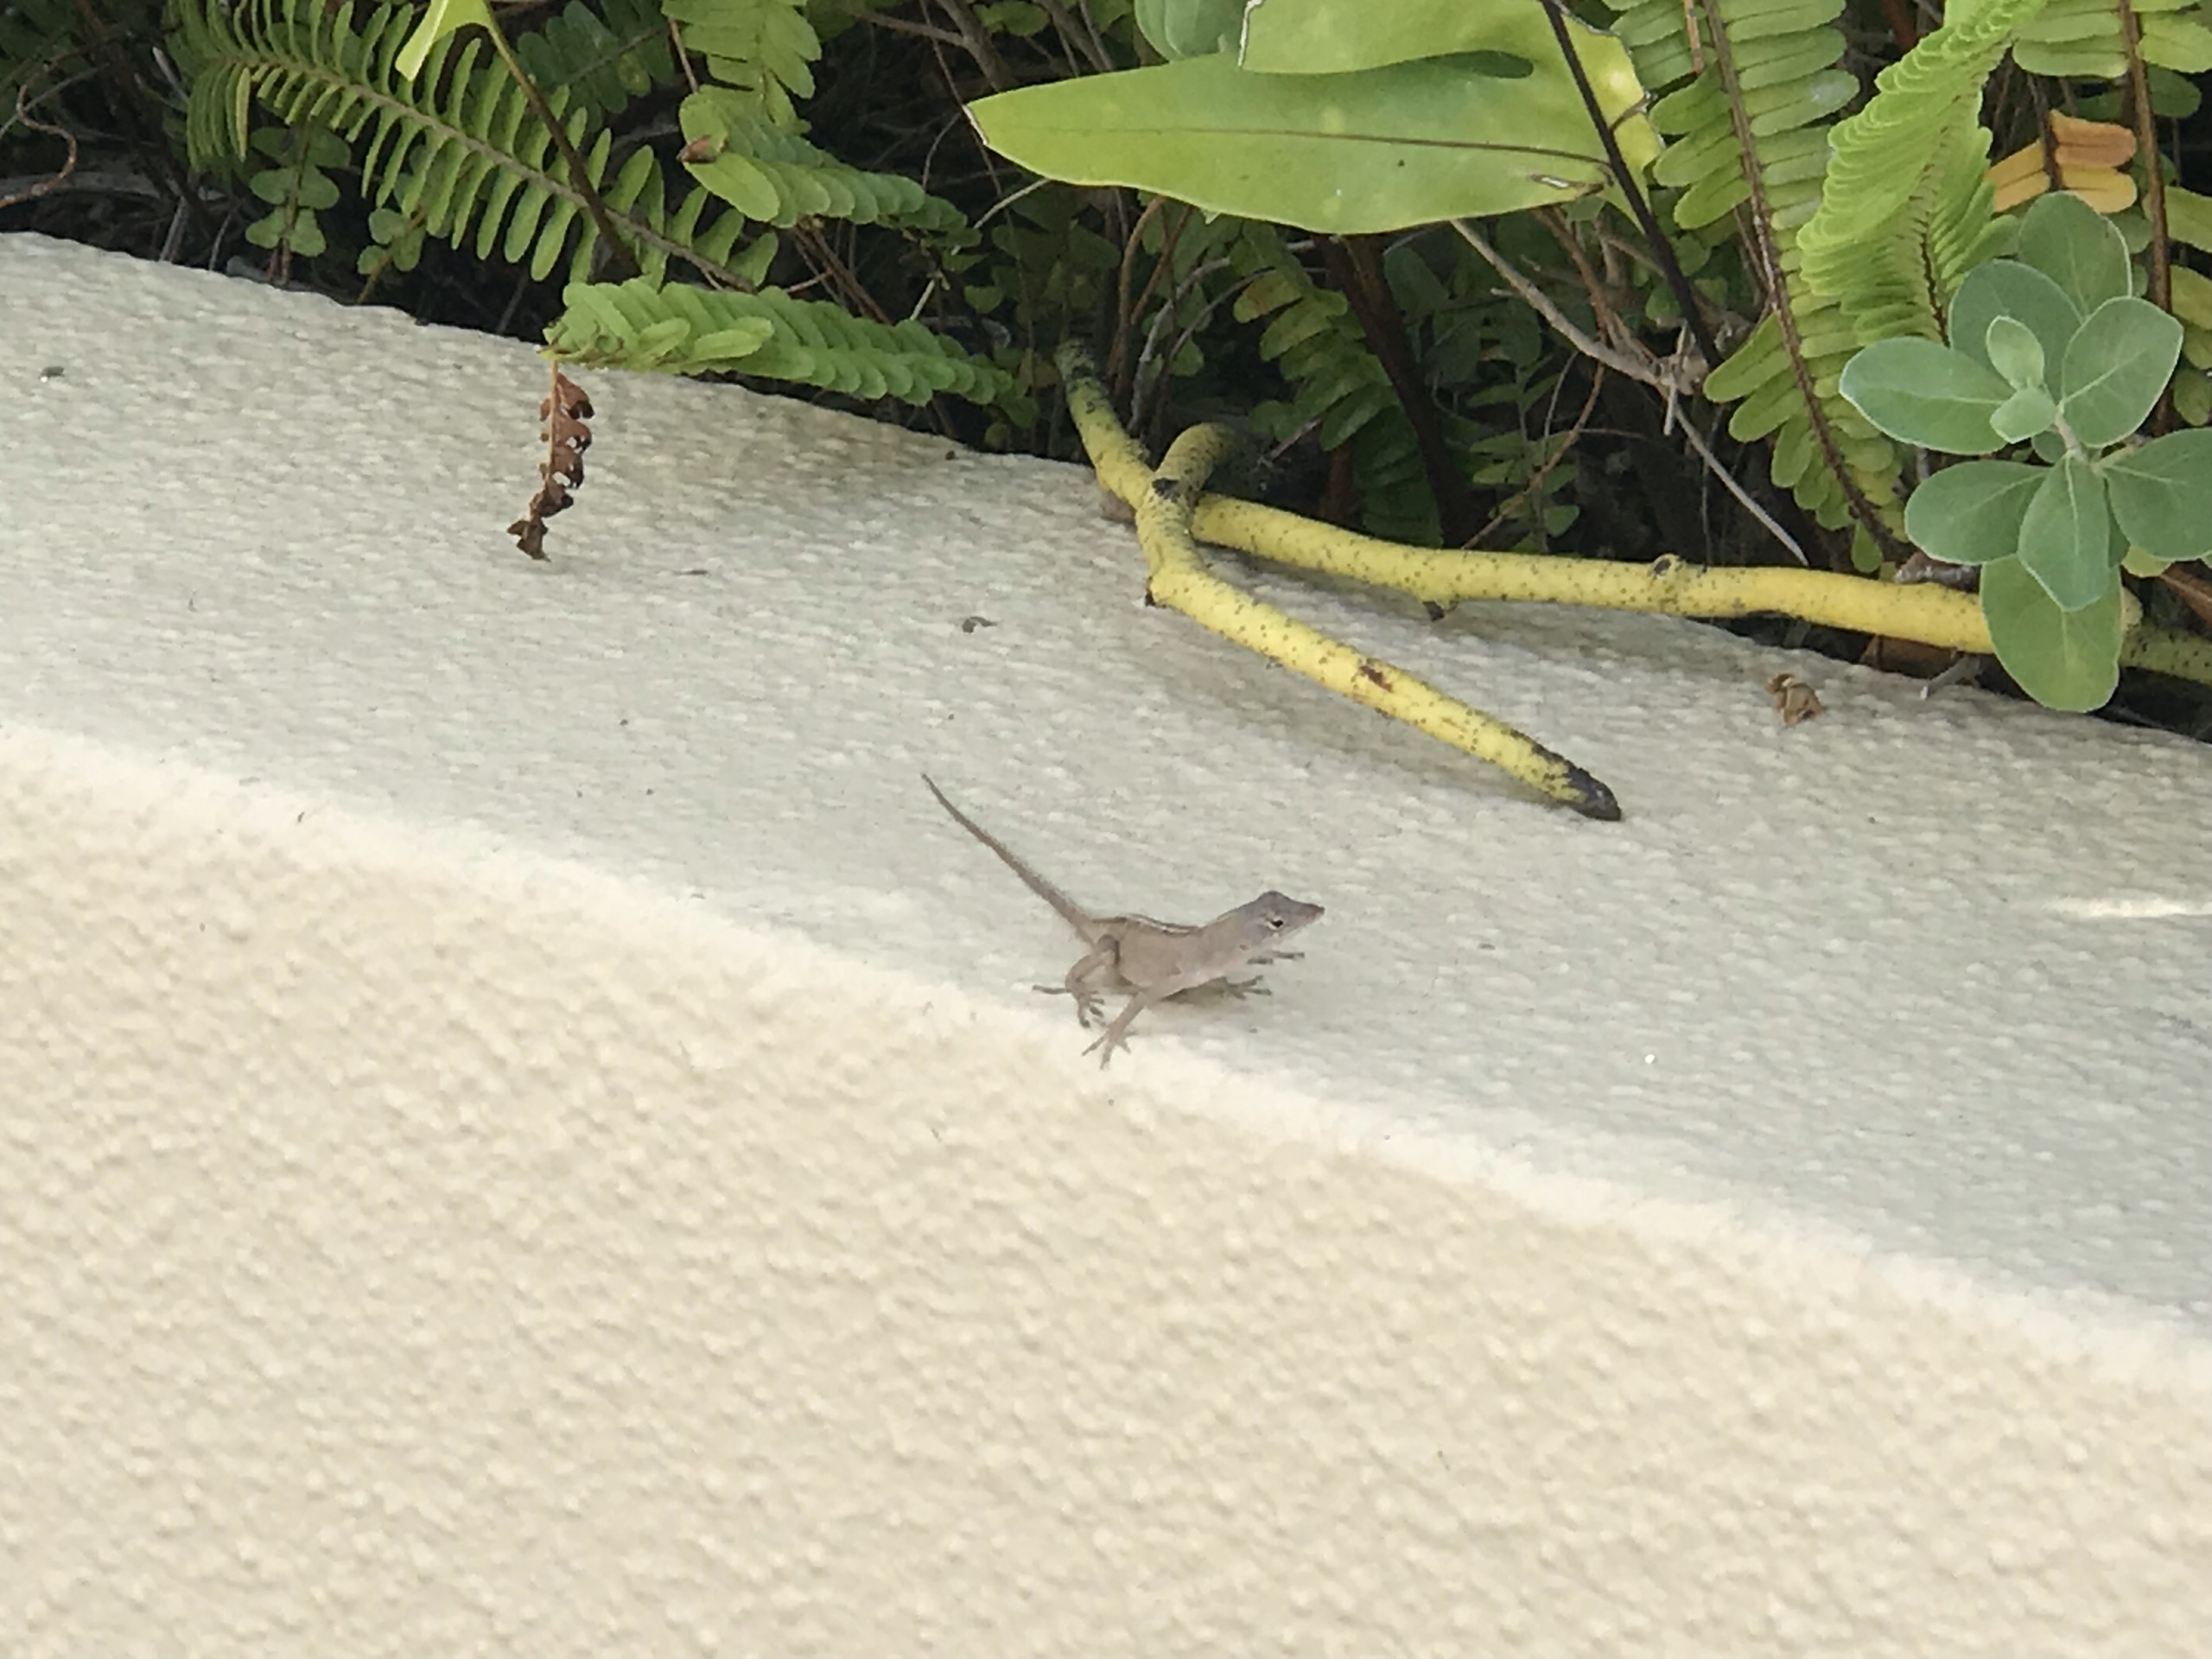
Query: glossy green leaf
x=2077 y=247
x=2162 y=494
x=1971 y=513
x=2066 y=538
x=1378 y=149
x=2115 y=367
x=2005 y=287
x=1308 y=37
x=2027 y=412
x=2063 y=659
x=1190 y=28
x=2012 y=349
x=1926 y=394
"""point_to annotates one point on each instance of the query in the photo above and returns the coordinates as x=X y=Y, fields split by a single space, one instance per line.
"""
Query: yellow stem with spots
x=1174 y=516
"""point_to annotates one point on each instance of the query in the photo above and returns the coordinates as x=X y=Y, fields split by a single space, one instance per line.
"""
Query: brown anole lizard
x=1151 y=961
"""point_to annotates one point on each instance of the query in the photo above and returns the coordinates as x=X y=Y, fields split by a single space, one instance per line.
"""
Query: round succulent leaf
x=2161 y=494
x=2114 y=369
x=2026 y=412
x=2063 y=659
x=1971 y=513
x=2005 y=287
x=2193 y=396
x=2014 y=351
x=2077 y=247
x=1924 y=393
x=2066 y=539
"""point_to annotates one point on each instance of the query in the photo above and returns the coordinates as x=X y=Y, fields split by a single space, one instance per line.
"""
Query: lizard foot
x=1088 y=1005
x=1108 y=1040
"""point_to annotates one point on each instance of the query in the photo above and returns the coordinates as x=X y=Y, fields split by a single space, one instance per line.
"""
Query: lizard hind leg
x=1099 y=961
x=1088 y=1005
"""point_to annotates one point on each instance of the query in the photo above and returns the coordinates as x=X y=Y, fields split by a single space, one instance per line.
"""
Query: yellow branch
x=1173 y=517
x=1931 y=613
x=1179 y=579
x=1927 y=612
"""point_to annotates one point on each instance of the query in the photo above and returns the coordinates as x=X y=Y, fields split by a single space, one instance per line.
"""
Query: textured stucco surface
x=523 y=1129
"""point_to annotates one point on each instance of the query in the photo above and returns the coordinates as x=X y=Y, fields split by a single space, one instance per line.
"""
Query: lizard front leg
x=1117 y=1035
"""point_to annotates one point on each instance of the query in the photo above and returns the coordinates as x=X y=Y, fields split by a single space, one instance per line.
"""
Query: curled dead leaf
x=565 y=411
x=1794 y=699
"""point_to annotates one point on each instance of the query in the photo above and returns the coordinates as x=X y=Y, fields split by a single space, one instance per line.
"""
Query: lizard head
x=1277 y=915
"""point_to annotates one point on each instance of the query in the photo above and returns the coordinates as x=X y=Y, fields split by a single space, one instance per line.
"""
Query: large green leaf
x=2066 y=539
x=2118 y=364
x=2063 y=659
x=2005 y=287
x=1926 y=394
x=1971 y=513
x=2162 y=494
x=1378 y=149
x=2077 y=247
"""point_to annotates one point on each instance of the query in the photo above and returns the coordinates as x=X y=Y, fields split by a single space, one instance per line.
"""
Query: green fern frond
x=1922 y=108
x=1340 y=389
x=763 y=48
x=297 y=188
x=605 y=57
x=1904 y=213
x=2081 y=40
x=454 y=151
x=682 y=330
x=778 y=177
x=1898 y=275
x=1786 y=58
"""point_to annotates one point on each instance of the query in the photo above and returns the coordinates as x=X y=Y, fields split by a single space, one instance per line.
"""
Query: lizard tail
x=1074 y=914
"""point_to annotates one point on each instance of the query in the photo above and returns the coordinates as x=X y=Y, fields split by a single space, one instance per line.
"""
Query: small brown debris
x=564 y=411
x=1794 y=700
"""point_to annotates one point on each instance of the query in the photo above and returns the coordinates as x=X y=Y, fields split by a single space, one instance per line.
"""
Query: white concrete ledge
x=525 y=1131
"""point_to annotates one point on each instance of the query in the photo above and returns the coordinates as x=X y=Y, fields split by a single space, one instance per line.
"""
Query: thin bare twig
x=1082 y=44
x=43 y=187
x=976 y=40
x=1649 y=372
x=1669 y=377
x=925 y=31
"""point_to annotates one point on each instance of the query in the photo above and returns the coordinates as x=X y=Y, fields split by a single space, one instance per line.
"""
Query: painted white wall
x=525 y=1129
